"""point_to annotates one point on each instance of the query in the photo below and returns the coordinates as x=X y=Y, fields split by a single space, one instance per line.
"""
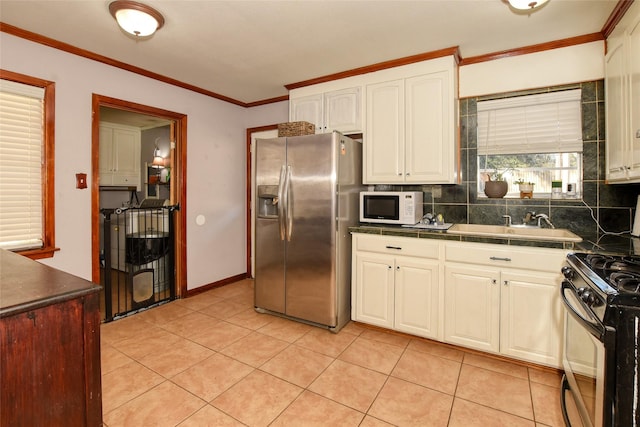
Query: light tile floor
x=211 y=360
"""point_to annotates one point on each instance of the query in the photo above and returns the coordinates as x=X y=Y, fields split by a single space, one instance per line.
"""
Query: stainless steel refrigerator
x=307 y=191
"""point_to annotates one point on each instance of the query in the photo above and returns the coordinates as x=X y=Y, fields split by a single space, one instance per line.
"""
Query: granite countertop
x=619 y=244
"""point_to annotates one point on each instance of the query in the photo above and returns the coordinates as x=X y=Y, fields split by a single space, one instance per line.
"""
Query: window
x=533 y=138
x=26 y=165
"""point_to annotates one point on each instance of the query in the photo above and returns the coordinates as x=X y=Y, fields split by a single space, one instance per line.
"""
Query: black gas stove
x=601 y=294
x=616 y=278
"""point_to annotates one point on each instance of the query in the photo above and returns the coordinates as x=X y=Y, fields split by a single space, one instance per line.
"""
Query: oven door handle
x=594 y=326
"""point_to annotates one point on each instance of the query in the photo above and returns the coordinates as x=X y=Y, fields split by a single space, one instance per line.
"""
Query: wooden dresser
x=49 y=346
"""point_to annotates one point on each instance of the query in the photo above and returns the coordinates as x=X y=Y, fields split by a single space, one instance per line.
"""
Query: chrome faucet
x=544 y=218
x=528 y=217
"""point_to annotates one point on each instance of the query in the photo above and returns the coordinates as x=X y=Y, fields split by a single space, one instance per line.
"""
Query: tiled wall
x=612 y=205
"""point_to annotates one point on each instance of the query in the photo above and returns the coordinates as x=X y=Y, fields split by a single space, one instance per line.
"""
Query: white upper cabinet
x=335 y=110
x=307 y=109
x=411 y=125
x=342 y=111
x=622 y=89
x=119 y=163
x=384 y=146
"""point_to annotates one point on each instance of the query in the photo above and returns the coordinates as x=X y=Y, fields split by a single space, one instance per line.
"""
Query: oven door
x=584 y=362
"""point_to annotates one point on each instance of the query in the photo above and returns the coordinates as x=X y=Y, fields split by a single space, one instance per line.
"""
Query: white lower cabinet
x=500 y=299
x=395 y=291
x=531 y=317
x=374 y=289
x=493 y=307
x=472 y=307
x=416 y=296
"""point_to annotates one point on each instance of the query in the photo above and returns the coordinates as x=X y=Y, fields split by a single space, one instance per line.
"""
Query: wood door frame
x=250 y=132
x=178 y=173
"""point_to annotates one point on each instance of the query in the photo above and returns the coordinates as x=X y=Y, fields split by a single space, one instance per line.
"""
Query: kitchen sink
x=517 y=232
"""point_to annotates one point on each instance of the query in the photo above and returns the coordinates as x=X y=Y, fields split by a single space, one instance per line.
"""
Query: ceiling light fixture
x=526 y=5
x=136 y=18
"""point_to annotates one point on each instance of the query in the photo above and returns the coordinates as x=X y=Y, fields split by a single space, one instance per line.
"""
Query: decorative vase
x=495 y=189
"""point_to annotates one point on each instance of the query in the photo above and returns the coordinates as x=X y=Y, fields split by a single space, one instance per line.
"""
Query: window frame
x=519 y=124
x=48 y=165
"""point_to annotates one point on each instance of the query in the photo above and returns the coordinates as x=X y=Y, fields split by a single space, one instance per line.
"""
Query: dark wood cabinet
x=50 y=346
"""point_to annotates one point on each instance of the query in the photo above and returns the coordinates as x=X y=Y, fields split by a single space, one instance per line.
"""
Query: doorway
x=174 y=158
x=262 y=132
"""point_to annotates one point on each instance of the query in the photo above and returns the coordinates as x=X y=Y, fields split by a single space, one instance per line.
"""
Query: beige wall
x=579 y=63
x=215 y=156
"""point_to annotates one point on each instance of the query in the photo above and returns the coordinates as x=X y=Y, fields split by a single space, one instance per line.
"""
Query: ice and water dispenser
x=267 y=201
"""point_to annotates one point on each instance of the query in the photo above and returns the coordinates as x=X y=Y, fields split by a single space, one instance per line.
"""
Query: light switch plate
x=81 y=180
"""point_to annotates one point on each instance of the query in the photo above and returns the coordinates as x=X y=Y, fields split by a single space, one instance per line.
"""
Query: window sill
x=39 y=253
x=534 y=198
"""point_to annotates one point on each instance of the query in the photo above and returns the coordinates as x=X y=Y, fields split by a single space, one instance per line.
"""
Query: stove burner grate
x=613 y=263
x=626 y=281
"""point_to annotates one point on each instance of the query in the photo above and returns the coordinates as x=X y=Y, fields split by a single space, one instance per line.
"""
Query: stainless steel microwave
x=391 y=207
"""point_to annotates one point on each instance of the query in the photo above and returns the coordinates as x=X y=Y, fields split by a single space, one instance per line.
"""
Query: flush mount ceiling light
x=526 y=5
x=136 y=18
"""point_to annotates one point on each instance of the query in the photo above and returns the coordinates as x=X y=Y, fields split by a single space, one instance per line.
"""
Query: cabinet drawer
x=541 y=259
x=407 y=246
x=129 y=180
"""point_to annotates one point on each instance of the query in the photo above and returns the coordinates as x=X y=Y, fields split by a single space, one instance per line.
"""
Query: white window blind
x=544 y=123
x=21 y=157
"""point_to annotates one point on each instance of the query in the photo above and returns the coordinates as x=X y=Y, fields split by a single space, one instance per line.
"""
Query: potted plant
x=495 y=186
x=526 y=188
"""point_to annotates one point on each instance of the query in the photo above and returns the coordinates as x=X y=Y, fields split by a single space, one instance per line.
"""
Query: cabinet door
x=384 y=139
x=374 y=289
x=531 y=317
x=342 y=111
x=472 y=307
x=105 y=165
x=616 y=110
x=416 y=297
x=634 y=98
x=307 y=109
x=126 y=146
x=429 y=146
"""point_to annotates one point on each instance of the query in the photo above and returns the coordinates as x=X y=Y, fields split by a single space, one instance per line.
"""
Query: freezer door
x=270 y=248
x=310 y=253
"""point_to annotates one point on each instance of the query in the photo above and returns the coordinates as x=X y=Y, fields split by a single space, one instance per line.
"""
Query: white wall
x=270 y=114
x=215 y=157
x=579 y=63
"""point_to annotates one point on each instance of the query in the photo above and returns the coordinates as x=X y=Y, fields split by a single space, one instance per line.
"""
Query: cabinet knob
x=389 y=267
x=494 y=281
x=397 y=267
x=506 y=282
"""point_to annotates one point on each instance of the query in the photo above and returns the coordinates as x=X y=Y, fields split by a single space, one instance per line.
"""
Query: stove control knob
x=568 y=272
x=587 y=296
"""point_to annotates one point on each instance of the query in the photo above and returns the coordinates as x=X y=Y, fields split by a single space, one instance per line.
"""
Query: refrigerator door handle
x=289 y=204
x=282 y=202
